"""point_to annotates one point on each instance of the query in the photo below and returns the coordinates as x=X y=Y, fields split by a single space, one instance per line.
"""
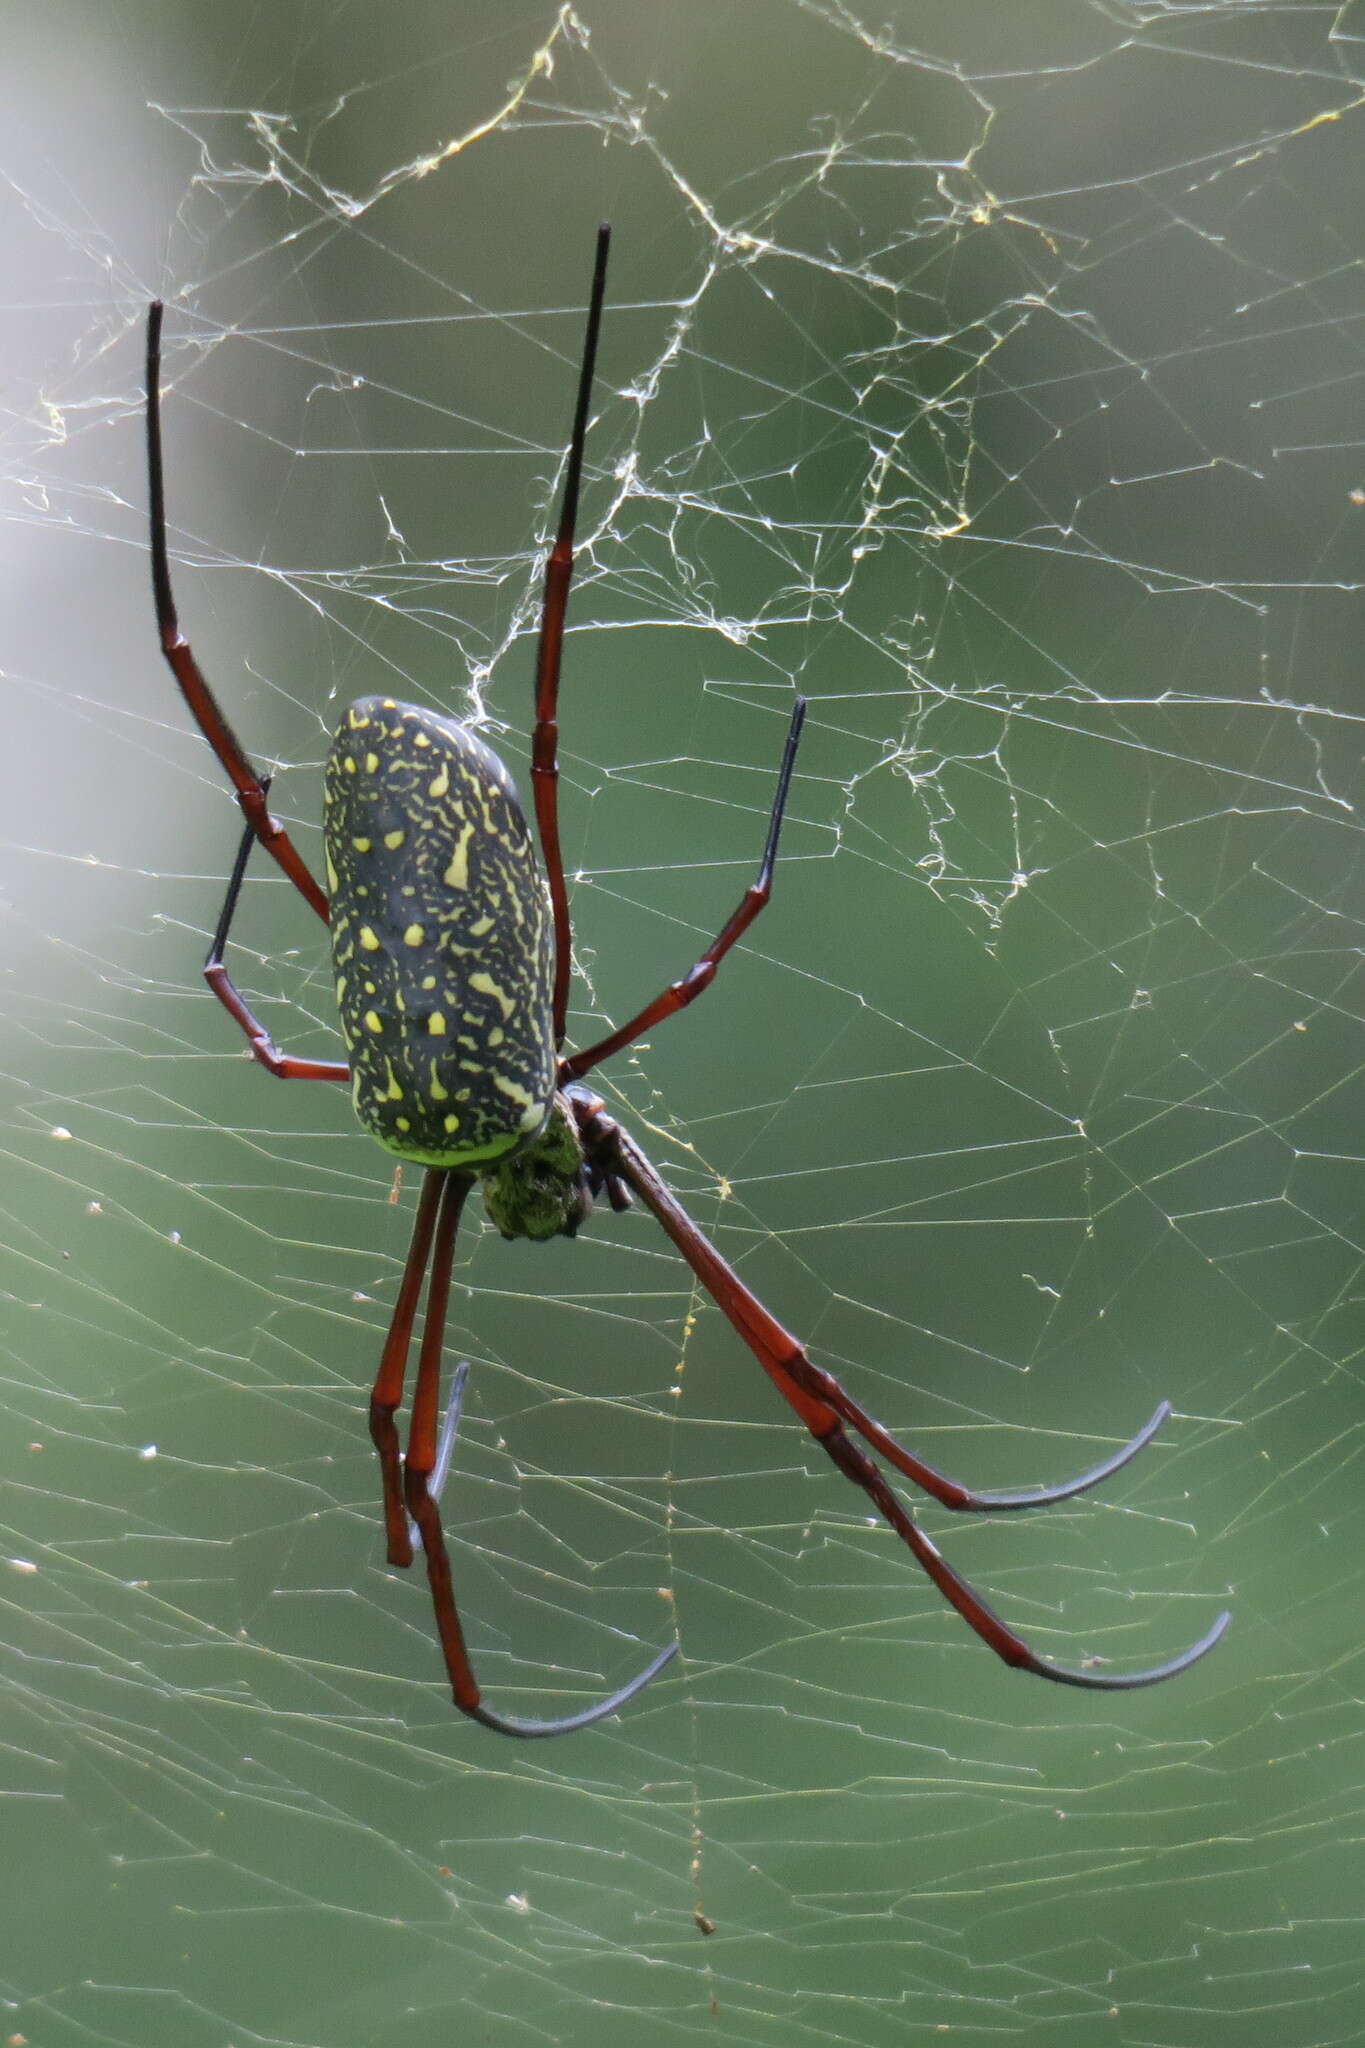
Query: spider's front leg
x=824 y=1407
x=207 y=712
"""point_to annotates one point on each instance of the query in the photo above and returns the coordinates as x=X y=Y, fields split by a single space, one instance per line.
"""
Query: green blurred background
x=993 y=377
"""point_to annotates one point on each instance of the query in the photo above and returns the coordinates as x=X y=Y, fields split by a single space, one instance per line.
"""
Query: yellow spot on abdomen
x=361 y=843
x=439 y=783
x=393 y=840
x=373 y=1022
x=371 y=763
x=486 y=986
x=457 y=874
x=414 y=935
x=369 y=939
x=436 y=1024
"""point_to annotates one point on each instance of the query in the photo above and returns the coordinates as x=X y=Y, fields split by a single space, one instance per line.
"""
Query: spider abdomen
x=441 y=937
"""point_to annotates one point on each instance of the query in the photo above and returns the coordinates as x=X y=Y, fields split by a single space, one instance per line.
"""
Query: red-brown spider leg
x=263 y=1047
x=700 y=976
x=995 y=1633
x=204 y=706
x=558 y=574
x=950 y=1493
x=419 y=1468
x=785 y=1362
x=393 y=1364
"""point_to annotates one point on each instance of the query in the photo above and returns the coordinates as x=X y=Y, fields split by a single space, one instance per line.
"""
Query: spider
x=451 y=954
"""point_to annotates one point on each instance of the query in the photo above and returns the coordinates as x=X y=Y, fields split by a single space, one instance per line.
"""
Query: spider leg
x=263 y=1047
x=959 y=1593
x=419 y=1472
x=950 y=1493
x=445 y=1452
x=703 y=972
x=450 y=1424
x=203 y=705
x=558 y=574
x=618 y=1194
x=393 y=1364
x=821 y=1403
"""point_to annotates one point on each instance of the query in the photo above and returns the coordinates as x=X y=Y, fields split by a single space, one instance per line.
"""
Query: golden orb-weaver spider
x=452 y=956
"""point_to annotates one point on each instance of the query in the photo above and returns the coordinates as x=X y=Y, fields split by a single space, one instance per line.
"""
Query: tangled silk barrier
x=991 y=386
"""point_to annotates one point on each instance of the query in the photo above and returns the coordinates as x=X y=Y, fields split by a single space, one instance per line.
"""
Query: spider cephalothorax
x=451 y=955
x=543 y=1189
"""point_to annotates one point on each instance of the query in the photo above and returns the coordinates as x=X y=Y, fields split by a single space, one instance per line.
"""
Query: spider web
x=994 y=377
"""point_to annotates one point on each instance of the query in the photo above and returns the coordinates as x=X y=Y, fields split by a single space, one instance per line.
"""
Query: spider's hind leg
x=823 y=1406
